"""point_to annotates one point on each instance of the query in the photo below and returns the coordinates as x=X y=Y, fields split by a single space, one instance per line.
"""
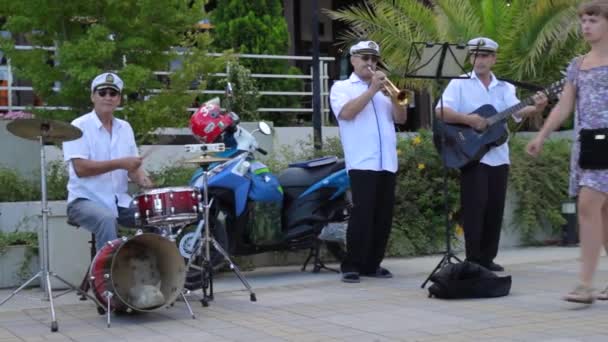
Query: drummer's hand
x=146 y=182
x=131 y=163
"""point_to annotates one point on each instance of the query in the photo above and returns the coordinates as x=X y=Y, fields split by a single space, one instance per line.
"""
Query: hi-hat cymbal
x=205 y=159
x=52 y=130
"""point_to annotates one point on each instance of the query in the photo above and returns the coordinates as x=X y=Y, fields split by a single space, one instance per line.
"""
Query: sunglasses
x=104 y=92
x=366 y=58
x=482 y=54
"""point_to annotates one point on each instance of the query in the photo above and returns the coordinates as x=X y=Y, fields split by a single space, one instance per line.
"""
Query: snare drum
x=142 y=273
x=165 y=206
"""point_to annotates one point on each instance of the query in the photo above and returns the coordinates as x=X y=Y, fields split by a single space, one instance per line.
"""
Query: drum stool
x=85 y=284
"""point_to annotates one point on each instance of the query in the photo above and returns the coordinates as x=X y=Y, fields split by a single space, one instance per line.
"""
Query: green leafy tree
x=246 y=96
x=258 y=27
x=537 y=38
x=133 y=38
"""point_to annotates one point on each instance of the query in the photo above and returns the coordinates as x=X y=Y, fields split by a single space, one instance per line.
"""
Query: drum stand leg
x=207 y=283
x=234 y=269
x=188 y=305
x=206 y=240
x=109 y=296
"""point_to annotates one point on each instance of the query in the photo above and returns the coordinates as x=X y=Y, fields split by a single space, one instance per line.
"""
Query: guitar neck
x=509 y=111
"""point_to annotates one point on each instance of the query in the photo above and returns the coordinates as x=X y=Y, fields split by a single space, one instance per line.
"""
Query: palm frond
x=498 y=17
x=457 y=20
x=542 y=29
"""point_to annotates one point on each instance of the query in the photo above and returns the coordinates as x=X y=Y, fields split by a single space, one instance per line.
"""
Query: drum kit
x=146 y=271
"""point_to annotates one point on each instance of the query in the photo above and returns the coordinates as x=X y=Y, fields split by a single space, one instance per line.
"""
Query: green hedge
x=419 y=219
x=15 y=188
x=540 y=186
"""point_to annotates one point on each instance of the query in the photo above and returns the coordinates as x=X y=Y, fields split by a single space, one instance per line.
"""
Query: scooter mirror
x=265 y=128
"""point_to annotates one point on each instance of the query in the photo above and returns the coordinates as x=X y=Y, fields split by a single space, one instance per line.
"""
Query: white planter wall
x=68 y=247
x=18 y=153
x=10 y=263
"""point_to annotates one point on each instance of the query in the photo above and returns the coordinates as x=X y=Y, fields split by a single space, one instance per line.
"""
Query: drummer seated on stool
x=100 y=164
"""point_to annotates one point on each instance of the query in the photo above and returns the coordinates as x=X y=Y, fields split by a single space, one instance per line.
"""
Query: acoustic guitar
x=463 y=144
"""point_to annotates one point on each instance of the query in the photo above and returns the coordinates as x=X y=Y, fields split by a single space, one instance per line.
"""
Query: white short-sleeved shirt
x=96 y=143
x=369 y=140
x=466 y=95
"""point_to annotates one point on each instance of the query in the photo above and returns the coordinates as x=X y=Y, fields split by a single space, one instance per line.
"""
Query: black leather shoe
x=351 y=277
x=381 y=272
x=492 y=266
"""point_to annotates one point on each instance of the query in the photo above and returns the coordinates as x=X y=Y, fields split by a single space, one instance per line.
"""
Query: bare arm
x=560 y=112
x=356 y=105
x=90 y=168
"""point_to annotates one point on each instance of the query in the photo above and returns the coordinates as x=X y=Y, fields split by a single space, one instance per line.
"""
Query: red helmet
x=209 y=122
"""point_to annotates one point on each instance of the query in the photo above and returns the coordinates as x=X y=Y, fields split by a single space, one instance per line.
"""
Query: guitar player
x=483 y=183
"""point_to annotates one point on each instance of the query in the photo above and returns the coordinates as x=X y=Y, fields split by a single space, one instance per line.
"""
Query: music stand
x=439 y=61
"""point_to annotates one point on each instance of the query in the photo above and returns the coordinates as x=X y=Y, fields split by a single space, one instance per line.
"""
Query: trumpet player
x=366 y=118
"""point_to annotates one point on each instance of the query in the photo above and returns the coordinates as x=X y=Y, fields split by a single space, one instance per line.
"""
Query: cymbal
x=52 y=130
x=205 y=159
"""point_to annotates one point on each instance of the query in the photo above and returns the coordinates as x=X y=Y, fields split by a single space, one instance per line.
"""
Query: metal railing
x=323 y=67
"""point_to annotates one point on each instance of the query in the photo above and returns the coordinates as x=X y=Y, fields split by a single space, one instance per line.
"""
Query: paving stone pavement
x=301 y=306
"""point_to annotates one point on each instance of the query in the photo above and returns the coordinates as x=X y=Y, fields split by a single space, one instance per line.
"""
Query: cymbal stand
x=45 y=273
x=206 y=239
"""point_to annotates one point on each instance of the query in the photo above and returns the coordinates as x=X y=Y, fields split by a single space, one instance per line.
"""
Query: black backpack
x=468 y=280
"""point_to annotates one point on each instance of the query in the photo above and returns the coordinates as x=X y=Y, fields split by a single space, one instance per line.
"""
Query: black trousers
x=483 y=189
x=370 y=221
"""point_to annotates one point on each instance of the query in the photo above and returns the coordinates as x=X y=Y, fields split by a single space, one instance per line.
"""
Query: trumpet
x=399 y=96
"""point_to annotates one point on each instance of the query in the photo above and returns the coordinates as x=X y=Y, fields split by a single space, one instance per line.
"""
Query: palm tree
x=537 y=37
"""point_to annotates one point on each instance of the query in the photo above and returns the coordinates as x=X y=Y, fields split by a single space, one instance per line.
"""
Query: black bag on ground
x=468 y=280
x=594 y=149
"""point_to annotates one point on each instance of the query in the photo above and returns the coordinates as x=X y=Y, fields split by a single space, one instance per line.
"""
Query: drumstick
x=149 y=151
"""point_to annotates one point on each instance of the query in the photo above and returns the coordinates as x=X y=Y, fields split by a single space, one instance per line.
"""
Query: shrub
x=172 y=176
x=541 y=184
x=419 y=220
x=14 y=188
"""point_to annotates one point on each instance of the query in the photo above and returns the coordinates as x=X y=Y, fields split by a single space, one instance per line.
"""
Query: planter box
x=69 y=253
x=510 y=236
x=69 y=250
x=21 y=216
x=10 y=264
x=18 y=153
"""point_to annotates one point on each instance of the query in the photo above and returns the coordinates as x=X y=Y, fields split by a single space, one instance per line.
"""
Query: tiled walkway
x=299 y=306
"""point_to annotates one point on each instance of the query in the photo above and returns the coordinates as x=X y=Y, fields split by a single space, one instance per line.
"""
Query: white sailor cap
x=482 y=44
x=107 y=80
x=366 y=47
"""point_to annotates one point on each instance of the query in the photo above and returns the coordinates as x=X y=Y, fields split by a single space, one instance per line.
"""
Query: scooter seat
x=305 y=177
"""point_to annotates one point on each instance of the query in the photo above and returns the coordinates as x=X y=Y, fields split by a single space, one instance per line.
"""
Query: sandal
x=603 y=295
x=581 y=294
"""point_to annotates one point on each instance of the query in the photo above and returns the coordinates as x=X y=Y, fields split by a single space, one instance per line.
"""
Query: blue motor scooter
x=253 y=211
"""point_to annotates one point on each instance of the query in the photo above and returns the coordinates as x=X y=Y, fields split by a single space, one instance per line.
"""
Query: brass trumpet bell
x=399 y=96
